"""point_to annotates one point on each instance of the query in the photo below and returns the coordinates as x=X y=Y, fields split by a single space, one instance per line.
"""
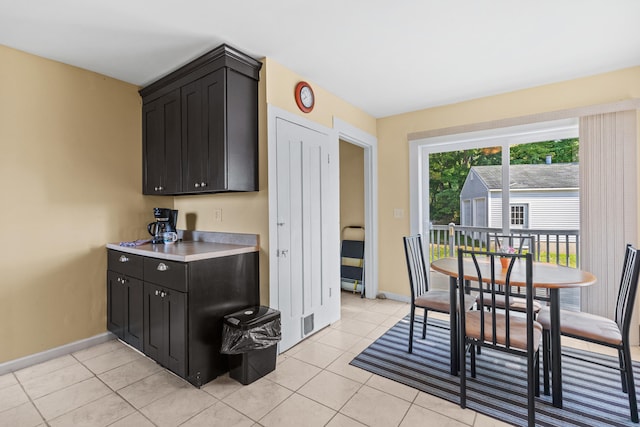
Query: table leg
x=453 y=324
x=556 y=350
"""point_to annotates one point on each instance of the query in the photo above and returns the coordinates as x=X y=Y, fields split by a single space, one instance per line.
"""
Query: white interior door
x=308 y=295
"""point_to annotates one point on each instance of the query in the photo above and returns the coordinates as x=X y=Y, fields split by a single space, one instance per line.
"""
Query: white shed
x=542 y=196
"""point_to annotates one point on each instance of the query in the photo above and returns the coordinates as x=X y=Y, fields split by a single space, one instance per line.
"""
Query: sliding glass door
x=521 y=181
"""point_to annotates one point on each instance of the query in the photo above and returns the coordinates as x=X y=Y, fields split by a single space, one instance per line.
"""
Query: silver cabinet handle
x=196 y=185
x=203 y=184
x=157 y=292
x=163 y=294
x=162 y=267
x=123 y=258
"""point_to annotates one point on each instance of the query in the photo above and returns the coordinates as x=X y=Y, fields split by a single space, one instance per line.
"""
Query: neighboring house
x=542 y=196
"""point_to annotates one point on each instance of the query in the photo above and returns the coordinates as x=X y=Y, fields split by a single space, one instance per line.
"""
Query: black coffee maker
x=166 y=220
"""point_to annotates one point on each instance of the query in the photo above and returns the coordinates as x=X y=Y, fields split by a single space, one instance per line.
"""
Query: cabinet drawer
x=165 y=273
x=125 y=263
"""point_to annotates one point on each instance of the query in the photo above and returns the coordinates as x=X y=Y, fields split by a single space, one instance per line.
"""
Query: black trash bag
x=239 y=337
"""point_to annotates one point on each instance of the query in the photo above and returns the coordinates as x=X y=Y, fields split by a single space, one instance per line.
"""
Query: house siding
x=561 y=211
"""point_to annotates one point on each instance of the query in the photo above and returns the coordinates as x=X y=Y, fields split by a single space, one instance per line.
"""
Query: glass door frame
x=420 y=149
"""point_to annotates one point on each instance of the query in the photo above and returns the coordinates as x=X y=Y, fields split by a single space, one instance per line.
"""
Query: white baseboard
x=396 y=297
x=33 y=359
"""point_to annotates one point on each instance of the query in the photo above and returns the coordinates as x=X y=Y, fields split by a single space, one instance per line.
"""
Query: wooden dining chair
x=501 y=329
x=421 y=295
x=601 y=330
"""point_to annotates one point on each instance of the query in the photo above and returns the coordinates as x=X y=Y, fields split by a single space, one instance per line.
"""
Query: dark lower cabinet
x=124 y=308
x=174 y=314
x=165 y=327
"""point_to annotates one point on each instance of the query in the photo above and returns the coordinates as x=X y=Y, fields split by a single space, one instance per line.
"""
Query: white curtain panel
x=609 y=204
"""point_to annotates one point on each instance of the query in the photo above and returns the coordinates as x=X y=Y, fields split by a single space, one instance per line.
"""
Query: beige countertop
x=186 y=251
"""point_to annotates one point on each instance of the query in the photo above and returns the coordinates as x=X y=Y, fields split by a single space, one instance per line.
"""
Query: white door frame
x=341 y=130
x=369 y=143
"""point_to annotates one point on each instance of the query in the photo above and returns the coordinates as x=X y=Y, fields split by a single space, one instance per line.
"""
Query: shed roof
x=555 y=175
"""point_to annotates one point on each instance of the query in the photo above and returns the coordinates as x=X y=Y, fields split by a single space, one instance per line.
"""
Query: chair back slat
x=488 y=288
x=628 y=290
x=416 y=267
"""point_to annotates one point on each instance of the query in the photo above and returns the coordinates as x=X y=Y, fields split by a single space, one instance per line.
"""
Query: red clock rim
x=297 y=91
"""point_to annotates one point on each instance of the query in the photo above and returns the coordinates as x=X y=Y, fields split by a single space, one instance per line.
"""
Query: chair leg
x=623 y=374
x=536 y=372
x=472 y=352
x=412 y=319
x=424 y=324
x=462 y=365
x=628 y=367
x=546 y=356
x=531 y=388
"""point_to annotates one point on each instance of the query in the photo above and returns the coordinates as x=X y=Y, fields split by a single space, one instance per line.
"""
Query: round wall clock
x=304 y=97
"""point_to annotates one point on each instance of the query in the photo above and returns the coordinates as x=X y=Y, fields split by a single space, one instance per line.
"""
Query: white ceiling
x=385 y=57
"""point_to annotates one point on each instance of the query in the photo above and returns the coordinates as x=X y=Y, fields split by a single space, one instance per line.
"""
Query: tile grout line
x=30 y=400
x=115 y=392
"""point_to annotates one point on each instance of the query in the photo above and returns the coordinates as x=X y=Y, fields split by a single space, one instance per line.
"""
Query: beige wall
x=70 y=175
x=393 y=154
x=70 y=179
x=281 y=83
x=351 y=186
x=249 y=212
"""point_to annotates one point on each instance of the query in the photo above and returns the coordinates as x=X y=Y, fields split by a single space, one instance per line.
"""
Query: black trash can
x=250 y=338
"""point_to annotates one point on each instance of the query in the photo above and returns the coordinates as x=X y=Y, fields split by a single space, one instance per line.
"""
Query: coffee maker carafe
x=165 y=221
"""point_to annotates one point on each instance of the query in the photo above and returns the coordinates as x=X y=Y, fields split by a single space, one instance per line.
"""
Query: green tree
x=449 y=170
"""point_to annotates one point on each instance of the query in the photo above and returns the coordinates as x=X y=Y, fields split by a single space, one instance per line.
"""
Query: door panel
x=115 y=303
x=133 y=331
x=153 y=323
x=308 y=292
x=176 y=332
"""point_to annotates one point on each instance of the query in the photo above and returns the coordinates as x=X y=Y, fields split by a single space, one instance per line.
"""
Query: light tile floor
x=313 y=385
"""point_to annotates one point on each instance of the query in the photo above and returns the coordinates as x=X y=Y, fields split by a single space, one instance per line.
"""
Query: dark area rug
x=592 y=394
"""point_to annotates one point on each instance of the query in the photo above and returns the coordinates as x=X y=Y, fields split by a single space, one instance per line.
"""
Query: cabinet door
x=162 y=153
x=175 y=338
x=134 y=303
x=115 y=304
x=203 y=134
x=165 y=327
x=153 y=323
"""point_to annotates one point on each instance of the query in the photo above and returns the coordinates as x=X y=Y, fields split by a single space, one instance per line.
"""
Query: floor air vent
x=307 y=324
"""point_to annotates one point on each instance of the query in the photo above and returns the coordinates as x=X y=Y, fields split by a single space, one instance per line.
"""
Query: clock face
x=304 y=97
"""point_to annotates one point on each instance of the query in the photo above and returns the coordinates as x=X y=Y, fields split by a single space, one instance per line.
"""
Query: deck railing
x=555 y=246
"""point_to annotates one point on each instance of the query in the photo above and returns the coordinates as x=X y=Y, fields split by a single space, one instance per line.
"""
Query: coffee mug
x=169 y=236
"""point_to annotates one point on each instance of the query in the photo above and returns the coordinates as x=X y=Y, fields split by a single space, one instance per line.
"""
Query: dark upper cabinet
x=200 y=126
x=161 y=132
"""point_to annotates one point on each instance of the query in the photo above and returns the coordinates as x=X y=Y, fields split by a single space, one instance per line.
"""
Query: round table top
x=545 y=275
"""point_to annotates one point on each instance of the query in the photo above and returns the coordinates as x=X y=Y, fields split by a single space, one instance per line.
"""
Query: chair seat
x=584 y=325
x=517 y=329
x=439 y=301
x=517 y=304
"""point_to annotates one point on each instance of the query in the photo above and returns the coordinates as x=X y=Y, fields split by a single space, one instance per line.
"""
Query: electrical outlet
x=218 y=215
x=398 y=213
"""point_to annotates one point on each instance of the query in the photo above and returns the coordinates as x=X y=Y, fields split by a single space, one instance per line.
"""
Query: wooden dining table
x=548 y=276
